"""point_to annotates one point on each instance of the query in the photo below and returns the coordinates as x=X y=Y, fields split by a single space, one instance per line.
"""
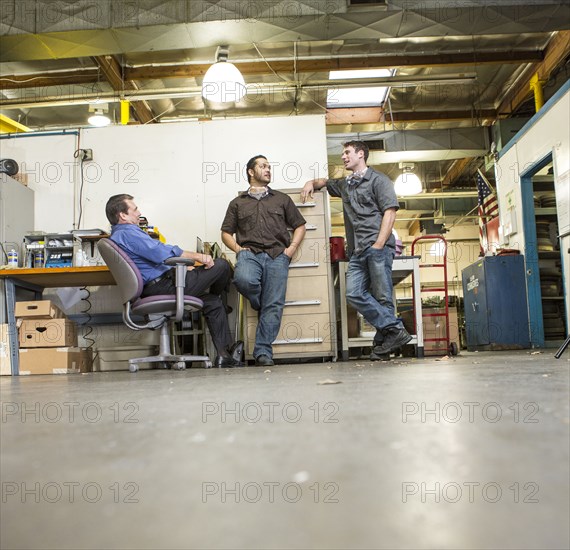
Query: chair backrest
x=125 y=272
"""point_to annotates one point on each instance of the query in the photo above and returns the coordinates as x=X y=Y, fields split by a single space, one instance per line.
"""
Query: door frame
x=534 y=293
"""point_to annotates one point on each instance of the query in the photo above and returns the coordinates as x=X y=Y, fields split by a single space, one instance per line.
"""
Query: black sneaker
x=395 y=339
x=378 y=355
x=264 y=361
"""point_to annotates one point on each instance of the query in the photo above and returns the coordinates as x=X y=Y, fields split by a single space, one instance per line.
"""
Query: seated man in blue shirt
x=207 y=282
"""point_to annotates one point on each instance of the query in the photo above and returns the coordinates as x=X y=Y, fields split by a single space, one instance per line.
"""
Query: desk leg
x=418 y=310
x=10 y=286
x=12 y=330
x=343 y=310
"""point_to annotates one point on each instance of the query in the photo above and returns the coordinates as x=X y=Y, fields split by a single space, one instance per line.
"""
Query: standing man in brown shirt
x=259 y=219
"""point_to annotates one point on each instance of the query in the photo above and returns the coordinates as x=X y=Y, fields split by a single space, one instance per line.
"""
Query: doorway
x=543 y=256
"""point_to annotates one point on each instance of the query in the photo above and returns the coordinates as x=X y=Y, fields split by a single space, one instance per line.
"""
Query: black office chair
x=157 y=310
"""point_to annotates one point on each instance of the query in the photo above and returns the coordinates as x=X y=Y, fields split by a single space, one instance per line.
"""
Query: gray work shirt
x=364 y=204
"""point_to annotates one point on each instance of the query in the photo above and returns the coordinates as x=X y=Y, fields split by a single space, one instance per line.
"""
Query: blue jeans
x=369 y=287
x=263 y=281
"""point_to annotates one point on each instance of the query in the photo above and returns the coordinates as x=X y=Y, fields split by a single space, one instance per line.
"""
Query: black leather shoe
x=236 y=351
x=264 y=361
x=226 y=362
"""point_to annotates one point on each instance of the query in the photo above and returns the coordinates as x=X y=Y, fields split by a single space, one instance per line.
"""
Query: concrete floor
x=410 y=454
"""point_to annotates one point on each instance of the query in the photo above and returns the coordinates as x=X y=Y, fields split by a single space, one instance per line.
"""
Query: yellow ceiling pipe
x=9 y=126
x=536 y=87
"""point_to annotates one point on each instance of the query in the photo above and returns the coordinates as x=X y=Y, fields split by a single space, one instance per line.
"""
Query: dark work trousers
x=208 y=285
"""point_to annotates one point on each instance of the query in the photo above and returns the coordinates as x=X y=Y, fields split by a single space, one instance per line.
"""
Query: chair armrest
x=179 y=260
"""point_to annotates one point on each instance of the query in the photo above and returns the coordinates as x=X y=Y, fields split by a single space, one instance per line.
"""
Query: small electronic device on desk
x=59 y=250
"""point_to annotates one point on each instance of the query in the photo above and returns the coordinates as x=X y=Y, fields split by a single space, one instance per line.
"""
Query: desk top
x=62 y=276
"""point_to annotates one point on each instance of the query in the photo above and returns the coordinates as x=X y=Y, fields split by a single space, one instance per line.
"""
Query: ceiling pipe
x=263 y=87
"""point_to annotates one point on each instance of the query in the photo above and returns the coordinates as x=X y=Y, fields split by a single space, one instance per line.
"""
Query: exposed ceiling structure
x=457 y=68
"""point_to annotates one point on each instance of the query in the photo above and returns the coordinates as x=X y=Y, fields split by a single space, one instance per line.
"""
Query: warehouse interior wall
x=182 y=175
x=544 y=136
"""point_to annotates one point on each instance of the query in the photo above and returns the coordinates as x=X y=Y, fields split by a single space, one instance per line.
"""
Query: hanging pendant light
x=407 y=183
x=99 y=118
x=223 y=83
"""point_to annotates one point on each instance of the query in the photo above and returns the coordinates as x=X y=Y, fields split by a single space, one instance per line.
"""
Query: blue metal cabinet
x=496 y=310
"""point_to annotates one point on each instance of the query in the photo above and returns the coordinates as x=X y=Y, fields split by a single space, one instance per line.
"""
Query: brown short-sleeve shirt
x=263 y=225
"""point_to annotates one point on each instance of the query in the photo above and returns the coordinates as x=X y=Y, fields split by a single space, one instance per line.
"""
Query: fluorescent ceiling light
x=358 y=97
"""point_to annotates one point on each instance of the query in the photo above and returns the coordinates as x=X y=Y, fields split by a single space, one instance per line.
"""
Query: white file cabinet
x=308 y=327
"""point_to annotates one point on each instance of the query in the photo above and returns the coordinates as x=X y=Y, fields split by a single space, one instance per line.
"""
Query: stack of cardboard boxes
x=48 y=341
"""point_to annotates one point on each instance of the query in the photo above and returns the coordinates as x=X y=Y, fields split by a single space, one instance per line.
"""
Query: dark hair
x=115 y=205
x=358 y=146
x=251 y=164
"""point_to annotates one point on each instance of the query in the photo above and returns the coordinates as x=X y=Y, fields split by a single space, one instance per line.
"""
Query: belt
x=165 y=275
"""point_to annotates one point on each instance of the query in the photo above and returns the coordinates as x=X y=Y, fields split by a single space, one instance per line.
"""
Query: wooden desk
x=35 y=280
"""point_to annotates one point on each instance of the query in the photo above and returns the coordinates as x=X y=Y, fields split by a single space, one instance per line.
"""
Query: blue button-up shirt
x=148 y=254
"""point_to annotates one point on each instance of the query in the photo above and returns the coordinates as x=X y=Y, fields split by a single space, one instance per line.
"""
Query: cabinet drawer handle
x=308 y=227
x=310 y=264
x=302 y=303
x=300 y=341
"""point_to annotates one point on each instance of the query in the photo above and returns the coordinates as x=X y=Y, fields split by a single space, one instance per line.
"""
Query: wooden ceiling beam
x=90 y=75
x=339 y=63
x=555 y=53
x=455 y=171
x=113 y=72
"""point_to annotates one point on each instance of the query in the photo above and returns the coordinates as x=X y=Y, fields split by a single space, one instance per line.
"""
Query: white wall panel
x=182 y=175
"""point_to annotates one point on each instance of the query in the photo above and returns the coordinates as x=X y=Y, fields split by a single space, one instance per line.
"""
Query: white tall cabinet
x=16 y=219
x=308 y=328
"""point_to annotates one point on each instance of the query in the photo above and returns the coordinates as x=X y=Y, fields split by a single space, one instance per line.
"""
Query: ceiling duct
x=375 y=144
x=429 y=227
x=367 y=3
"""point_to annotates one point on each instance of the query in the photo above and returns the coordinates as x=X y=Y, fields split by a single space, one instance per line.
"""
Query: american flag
x=488 y=207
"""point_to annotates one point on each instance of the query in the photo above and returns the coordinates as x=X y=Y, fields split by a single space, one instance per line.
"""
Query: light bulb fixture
x=223 y=83
x=407 y=183
x=99 y=118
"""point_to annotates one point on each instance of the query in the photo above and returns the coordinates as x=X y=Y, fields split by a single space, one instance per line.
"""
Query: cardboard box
x=47 y=333
x=434 y=327
x=5 y=357
x=65 y=360
x=41 y=309
x=109 y=359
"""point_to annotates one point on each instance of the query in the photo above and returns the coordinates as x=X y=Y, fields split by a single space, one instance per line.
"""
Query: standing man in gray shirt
x=370 y=205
